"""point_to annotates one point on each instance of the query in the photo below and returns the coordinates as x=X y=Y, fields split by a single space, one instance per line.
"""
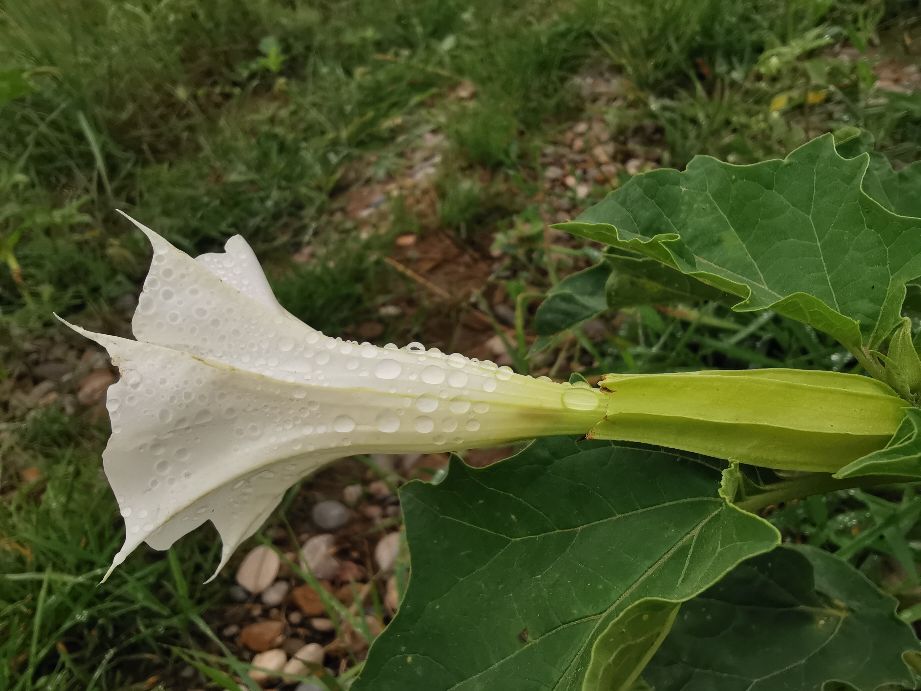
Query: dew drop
x=472 y=425
x=415 y=347
x=457 y=379
x=433 y=375
x=580 y=399
x=426 y=404
x=459 y=406
x=322 y=358
x=489 y=385
x=165 y=415
x=424 y=424
x=388 y=422
x=286 y=344
x=387 y=369
x=449 y=424
x=343 y=424
x=162 y=467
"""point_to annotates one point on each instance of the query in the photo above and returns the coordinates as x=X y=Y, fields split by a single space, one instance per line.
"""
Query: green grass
x=205 y=119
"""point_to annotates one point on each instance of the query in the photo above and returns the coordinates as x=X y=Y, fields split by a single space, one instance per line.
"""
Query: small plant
x=585 y=563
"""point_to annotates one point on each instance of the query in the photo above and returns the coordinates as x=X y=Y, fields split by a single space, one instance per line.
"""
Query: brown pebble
x=93 y=386
x=292 y=645
x=262 y=635
x=308 y=600
x=350 y=571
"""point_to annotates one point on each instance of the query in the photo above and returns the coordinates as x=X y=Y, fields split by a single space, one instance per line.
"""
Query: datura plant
x=624 y=548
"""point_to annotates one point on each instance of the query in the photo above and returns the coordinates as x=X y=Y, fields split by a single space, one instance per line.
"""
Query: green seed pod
x=777 y=418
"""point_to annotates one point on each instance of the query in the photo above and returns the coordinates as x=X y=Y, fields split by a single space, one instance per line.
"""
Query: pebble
x=93 y=386
x=322 y=624
x=582 y=191
x=553 y=172
x=238 y=594
x=308 y=600
x=380 y=489
x=259 y=569
x=330 y=514
x=271 y=660
x=634 y=166
x=351 y=494
x=386 y=551
x=275 y=594
x=309 y=686
x=295 y=618
x=261 y=635
x=230 y=631
x=292 y=645
x=317 y=556
x=310 y=654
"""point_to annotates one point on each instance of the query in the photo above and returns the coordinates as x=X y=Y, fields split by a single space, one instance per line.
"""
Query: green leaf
x=623 y=650
x=901 y=456
x=576 y=298
x=899 y=191
x=637 y=280
x=619 y=280
x=796 y=618
x=518 y=568
x=797 y=235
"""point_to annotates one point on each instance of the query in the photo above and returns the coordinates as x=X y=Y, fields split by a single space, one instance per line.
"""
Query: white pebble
x=310 y=654
x=258 y=569
x=271 y=661
x=386 y=551
x=317 y=556
x=275 y=594
x=330 y=514
x=351 y=494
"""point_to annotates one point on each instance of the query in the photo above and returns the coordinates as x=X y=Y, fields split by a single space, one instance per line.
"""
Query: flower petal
x=225 y=400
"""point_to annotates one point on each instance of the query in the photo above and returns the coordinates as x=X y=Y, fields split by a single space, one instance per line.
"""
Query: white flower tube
x=225 y=400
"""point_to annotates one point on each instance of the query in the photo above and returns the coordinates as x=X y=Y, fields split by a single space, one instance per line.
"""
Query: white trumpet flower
x=225 y=400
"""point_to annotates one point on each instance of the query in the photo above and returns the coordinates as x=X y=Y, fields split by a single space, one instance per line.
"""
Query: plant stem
x=816 y=483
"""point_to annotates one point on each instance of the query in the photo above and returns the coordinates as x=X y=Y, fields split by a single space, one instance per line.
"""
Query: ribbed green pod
x=777 y=418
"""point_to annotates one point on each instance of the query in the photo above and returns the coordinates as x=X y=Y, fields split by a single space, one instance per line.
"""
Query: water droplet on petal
x=489 y=385
x=472 y=425
x=580 y=399
x=387 y=369
x=426 y=404
x=459 y=406
x=343 y=424
x=388 y=422
x=457 y=379
x=286 y=344
x=424 y=424
x=433 y=375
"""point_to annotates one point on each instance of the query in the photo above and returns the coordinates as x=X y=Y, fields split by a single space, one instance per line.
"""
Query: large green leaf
x=517 y=569
x=796 y=618
x=798 y=235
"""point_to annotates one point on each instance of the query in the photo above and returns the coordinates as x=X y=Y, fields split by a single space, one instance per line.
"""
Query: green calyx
x=776 y=418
